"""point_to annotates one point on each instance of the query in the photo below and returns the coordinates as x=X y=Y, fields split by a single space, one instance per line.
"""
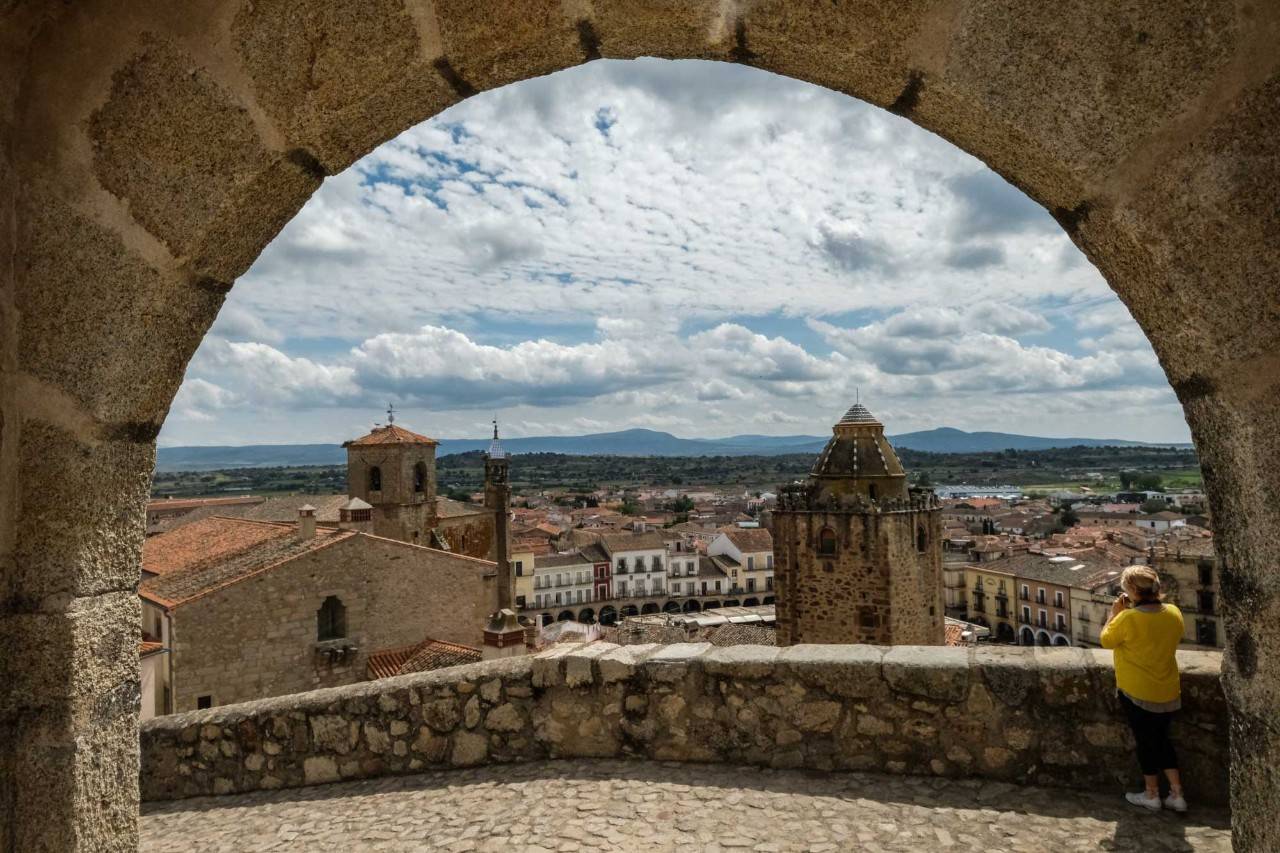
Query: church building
x=858 y=552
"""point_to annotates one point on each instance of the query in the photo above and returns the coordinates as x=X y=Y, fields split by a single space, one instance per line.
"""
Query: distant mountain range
x=631 y=442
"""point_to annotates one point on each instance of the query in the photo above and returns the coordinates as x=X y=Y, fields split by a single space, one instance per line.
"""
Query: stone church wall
x=1021 y=715
x=258 y=637
x=876 y=587
x=471 y=535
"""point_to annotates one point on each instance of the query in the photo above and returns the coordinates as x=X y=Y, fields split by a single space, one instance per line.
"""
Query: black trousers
x=1151 y=731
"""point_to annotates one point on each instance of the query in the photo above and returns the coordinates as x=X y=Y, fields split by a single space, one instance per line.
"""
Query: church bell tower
x=394 y=471
x=859 y=552
x=504 y=636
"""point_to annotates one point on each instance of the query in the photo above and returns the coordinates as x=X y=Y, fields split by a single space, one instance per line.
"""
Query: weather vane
x=391 y=413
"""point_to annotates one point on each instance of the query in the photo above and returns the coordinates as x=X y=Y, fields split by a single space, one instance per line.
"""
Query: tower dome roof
x=858 y=414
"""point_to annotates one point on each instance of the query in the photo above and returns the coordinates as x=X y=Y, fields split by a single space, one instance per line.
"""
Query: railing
x=1037 y=703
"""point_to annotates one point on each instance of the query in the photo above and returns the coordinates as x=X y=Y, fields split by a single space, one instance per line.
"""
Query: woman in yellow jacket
x=1144 y=634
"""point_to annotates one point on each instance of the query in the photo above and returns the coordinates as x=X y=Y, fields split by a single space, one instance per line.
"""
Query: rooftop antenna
x=857 y=395
x=391 y=413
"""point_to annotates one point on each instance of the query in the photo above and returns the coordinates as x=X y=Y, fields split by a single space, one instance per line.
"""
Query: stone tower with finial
x=859 y=552
x=504 y=636
x=394 y=470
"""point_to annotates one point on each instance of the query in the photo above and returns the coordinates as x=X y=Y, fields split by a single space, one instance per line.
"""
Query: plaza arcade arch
x=150 y=151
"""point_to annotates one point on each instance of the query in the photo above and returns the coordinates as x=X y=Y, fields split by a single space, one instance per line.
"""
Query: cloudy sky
x=693 y=247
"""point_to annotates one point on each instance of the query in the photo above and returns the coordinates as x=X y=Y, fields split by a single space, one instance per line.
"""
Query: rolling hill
x=631 y=442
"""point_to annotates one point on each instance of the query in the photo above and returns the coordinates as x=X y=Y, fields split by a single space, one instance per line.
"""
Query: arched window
x=922 y=541
x=420 y=478
x=827 y=542
x=871 y=491
x=375 y=479
x=331 y=620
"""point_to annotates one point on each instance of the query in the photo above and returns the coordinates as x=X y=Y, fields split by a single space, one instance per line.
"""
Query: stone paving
x=575 y=806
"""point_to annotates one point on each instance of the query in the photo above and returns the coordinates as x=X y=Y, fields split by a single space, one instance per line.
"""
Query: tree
x=629 y=507
x=1154 y=505
x=1068 y=518
x=923 y=481
x=682 y=504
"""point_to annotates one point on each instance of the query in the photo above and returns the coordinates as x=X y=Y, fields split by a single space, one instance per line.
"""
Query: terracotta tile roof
x=389 y=434
x=200 y=557
x=281 y=508
x=557 y=561
x=954 y=635
x=446 y=508
x=420 y=657
x=622 y=542
x=181 y=504
x=149 y=648
x=750 y=540
x=708 y=568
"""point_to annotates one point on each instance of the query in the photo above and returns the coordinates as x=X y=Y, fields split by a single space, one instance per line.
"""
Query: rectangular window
x=717 y=586
x=557 y=598
x=1206 y=576
x=203 y=702
x=1062 y=622
x=1026 y=615
x=519 y=568
x=1026 y=594
x=1206 y=601
x=751 y=564
x=1044 y=619
x=768 y=561
x=768 y=582
x=1040 y=595
x=520 y=601
x=1057 y=599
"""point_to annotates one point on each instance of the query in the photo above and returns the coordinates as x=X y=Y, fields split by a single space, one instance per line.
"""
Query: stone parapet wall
x=1043 y=716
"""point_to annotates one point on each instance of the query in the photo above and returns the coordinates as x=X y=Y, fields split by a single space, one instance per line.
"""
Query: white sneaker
x=1142 y=799
x=1177 y=804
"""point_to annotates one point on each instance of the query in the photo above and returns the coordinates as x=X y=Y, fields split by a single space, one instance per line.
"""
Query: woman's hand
x=1121 y=604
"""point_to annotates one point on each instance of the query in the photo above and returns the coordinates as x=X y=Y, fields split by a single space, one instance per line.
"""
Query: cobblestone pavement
x=619 y=805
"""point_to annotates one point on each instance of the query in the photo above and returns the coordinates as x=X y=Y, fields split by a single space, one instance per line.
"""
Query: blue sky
x=697 y=247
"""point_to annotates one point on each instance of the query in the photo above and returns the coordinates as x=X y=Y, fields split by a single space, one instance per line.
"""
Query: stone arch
x=1042 y=638
x=671 y=607
x=545 y=618
x=375 y=478
x=1161 y=163
x=710 y=605
x=331 y=619
x=692 y=606
x=649 y=607
x=827 y=542
x=751 y=602
x=769 y=599
x=1026 y=637
x=608 y=615
x=1059 y=640
x=565 y=616
x=586 y=616
x=732 y=602
x=1004 y=633
x=630 y=610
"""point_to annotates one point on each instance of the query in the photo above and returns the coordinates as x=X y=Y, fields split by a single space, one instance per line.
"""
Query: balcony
x=353 y=794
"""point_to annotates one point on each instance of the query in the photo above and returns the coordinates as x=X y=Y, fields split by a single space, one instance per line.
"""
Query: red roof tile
x=428 y=655
x=390 y=434
x=194 y=560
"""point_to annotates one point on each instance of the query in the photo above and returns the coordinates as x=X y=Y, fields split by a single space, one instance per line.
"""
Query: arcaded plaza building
x=858 y=551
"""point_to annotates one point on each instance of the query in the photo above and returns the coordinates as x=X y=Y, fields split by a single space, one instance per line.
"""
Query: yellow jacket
x=1144 y=645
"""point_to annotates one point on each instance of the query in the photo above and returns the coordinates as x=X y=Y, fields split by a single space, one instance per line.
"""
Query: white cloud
x=540 y=252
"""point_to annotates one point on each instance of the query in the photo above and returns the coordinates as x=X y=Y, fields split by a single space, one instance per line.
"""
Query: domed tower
x=859 y=552
x=394 y=471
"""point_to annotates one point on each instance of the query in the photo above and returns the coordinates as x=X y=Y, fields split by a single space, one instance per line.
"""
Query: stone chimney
x=504 y=636
x=306 y=522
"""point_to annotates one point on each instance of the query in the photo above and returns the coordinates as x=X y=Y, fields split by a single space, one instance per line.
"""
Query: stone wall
x=257 y=638
x=876 y=588
x=1044 y=716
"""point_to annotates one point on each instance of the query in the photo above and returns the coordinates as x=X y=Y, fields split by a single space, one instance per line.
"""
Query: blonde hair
x=1143 y=581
